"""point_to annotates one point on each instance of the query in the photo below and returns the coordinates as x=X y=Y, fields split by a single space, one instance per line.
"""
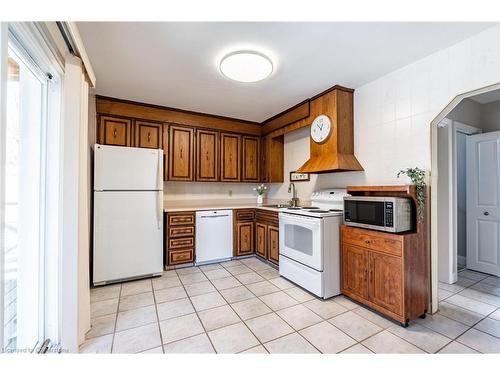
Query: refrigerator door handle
x=159 y=211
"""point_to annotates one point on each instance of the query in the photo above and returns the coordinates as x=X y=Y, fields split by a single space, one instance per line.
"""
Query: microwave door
x=366 y=214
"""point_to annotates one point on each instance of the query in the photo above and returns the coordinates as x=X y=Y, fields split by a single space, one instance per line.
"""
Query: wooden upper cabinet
x=355 y=270
x=148 y=134
x=250 y=156
x=115 y=131
x=207 y=155
x=272 y=159
x=180 y=153
x=273 y=238
x=230 y=157
x=386 y=282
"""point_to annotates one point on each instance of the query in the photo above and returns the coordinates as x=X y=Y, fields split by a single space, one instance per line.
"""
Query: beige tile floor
x=244 y=306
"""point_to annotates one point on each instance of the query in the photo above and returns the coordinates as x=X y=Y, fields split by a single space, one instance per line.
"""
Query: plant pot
x=260 y=200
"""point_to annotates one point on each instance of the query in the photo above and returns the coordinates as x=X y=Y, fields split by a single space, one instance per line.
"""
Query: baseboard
x=461 y=260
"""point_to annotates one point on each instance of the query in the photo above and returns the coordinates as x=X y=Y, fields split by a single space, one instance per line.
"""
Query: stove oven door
x=301 y=239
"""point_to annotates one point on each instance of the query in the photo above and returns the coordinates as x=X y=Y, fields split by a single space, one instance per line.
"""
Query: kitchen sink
x=276 y=205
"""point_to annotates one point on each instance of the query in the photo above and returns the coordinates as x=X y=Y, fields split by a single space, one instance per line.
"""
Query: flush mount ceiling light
x=246 y=66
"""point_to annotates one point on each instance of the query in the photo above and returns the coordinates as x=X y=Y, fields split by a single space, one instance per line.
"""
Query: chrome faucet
x=291 y=189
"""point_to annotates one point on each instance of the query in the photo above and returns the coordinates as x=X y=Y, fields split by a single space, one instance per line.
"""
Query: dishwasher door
x=214 y=235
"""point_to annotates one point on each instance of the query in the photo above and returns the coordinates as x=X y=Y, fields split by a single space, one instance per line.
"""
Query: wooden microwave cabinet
x=385 y=271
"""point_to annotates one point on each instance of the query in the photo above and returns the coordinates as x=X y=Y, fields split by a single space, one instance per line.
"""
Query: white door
x=483 y=206
x=127 y=168
x=128 y=235
x=301 y=239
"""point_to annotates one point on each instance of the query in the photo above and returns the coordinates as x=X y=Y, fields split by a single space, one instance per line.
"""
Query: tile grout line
x=116 y=320
x=157 y=316
x=196 y=312
x=235 y=313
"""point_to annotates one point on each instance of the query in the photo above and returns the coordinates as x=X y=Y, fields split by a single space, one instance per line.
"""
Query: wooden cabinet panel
x=148 y=135
x=272 y=159
x=244 y=237
x=273 y=239
x=230 y=157
x=386 y=282
x=181 y=153
x=181 y=218
x=355 y=270
x=180 y=257
x=244 y=214
x=261 y=240
x=174 y=232
x=178 y=243
x=381 y=241
x=250 y=156
x=115 y=131
x=263 y=159
x=207 y=155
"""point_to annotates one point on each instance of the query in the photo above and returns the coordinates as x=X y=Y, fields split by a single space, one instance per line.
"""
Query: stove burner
x=319 y=211
x=294 y=208
x=310 y=208
x=335 y=210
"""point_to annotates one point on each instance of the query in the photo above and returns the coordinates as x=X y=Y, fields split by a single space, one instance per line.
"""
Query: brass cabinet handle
x=181 y=153
x=207 y=155
x=114 y=133
x=149 y=137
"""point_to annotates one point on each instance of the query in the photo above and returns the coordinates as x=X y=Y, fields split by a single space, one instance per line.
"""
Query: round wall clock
x=321 y=128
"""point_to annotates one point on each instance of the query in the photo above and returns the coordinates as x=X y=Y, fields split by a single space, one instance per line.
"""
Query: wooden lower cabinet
x=387 y=273
x=273 y=247
x=179 y=238
x=244 y=238
x=261 y=240
x=267 y=235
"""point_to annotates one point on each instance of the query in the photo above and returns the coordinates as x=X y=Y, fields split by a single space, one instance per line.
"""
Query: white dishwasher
x=214 y=235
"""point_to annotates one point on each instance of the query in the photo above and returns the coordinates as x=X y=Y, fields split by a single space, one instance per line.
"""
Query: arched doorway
x=444 y=242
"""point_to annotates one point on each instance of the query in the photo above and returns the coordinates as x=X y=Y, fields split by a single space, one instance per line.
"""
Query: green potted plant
x=417 y=177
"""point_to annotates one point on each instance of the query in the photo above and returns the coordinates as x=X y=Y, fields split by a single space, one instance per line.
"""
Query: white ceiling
x=176 y=64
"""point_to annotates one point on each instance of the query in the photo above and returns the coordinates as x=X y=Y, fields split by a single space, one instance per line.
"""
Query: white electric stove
x=310 y=243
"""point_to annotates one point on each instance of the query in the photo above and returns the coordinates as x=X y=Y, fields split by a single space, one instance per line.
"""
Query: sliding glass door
x=24 y=205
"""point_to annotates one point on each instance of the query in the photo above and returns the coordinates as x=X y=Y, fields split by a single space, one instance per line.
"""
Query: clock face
x=321 y=128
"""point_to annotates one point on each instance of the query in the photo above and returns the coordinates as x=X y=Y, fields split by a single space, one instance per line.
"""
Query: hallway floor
x=244 y=306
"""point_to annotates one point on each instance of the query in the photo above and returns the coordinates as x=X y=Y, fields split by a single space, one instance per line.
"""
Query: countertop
x=178 y=206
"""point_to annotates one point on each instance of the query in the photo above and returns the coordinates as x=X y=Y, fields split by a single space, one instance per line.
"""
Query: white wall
x=393 y=113
x=467 y=112
x=490 y=117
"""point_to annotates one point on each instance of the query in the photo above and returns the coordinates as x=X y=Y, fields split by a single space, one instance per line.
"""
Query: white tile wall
x=393 y=113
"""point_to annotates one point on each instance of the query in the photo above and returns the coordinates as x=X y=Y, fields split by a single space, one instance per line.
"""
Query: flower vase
x=260 y=200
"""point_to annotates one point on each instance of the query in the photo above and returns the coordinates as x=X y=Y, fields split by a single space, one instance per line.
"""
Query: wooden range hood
x=336 y=153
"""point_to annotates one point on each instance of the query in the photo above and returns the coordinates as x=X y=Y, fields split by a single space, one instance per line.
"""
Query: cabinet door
x=250 y=156
x=207 y=155
x=386 y=281
x=115 y=131
x=244 y=237
x=263 y=159
x=273 y=243
x=261 y=240
x=181 y=153
x=148 y=135
x=355 y=270
x=230 y=157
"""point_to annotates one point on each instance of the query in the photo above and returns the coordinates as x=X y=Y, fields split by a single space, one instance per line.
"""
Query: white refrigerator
x=128 y=213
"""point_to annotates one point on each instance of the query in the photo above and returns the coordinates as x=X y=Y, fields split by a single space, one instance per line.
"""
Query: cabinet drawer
x=244 y=215
x=180 y=256
x=174 y=232
x=181 y=218
x=383 y=242
x=177 y=243
x=266 y=216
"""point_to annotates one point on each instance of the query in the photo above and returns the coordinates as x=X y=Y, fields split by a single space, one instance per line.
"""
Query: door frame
x=434 y=252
